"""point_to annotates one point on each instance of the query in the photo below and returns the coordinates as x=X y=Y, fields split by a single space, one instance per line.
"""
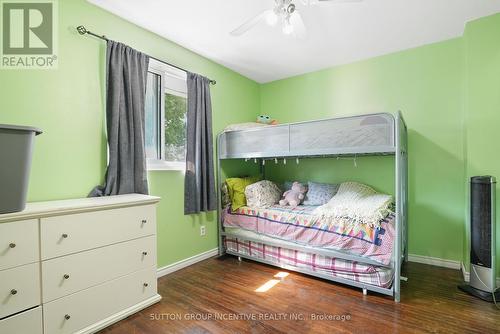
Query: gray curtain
x=199 y=182
x=126 y=72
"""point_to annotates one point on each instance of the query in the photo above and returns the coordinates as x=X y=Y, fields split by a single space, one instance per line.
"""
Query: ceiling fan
x=286 y=12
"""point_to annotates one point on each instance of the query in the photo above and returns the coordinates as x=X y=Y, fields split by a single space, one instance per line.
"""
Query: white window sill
x=157 y=165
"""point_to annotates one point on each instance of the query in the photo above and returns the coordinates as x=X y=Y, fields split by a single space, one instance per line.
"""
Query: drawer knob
x=64 y=235
x=13 y=291
x=67 y=317
x=144 y=221
x=66 y=276
x=146 y=285
x=12 y=245
x=144 y=253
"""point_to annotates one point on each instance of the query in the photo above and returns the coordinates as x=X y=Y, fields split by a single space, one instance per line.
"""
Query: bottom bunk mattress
x=330 y=266
x=300 y=225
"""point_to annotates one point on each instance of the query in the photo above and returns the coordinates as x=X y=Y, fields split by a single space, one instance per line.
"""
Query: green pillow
x=236 y=188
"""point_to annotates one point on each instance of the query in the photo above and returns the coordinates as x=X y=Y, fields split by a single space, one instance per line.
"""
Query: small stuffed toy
x=266 y=119
x=294 y=196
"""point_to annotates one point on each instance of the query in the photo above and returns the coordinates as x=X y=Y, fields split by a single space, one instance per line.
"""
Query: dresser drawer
x=28 y=322
x=19 y=243
x=68 y=274
x=68 y=234
x=19 y=289
x=82 y=309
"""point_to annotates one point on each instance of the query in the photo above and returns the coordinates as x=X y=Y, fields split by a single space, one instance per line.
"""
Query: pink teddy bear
x=295 y=195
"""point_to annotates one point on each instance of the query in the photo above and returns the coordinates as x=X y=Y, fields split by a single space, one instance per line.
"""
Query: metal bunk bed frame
x=399 y=150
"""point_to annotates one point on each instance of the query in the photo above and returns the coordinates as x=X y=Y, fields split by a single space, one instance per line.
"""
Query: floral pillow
x=320 y=193
x=262 y=194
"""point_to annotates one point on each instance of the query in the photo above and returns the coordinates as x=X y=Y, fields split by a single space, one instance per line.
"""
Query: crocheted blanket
x=357 y=203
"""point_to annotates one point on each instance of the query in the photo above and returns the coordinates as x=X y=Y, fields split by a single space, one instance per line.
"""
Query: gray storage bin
x=16 y=147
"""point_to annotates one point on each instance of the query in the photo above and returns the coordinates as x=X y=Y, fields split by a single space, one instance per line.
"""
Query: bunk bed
x=372 y=134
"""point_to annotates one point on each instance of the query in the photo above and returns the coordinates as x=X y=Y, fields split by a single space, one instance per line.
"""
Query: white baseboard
x=466 y=274
x=434 y=261
x=186 y=262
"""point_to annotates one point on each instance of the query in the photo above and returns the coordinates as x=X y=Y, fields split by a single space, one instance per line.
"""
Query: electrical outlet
x=203 y=230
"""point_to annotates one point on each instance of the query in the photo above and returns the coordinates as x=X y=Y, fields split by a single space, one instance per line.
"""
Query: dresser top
x=69 y=206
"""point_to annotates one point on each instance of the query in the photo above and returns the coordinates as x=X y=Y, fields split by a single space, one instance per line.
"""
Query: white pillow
x=262 y=194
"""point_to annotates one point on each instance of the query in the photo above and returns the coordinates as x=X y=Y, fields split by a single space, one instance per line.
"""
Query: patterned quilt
x=300 y=225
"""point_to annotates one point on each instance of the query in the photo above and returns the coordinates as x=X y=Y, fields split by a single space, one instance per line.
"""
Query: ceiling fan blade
x=250 y=23
x=299 y=28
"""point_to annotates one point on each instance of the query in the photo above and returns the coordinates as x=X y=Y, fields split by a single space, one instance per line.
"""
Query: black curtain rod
x=83 y=31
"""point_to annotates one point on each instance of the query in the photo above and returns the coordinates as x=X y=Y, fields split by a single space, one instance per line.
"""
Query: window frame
x=165 y=71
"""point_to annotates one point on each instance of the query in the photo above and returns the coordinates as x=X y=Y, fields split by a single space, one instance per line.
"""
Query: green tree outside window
x=175 y=127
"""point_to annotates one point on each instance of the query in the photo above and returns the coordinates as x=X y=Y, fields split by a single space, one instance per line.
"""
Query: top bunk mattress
x=301 y=226
x=362 y=134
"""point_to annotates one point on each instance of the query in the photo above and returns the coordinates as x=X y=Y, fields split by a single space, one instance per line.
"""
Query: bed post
x=401 y=242
x=405 y=185
x=397 y=244
x=219 y=199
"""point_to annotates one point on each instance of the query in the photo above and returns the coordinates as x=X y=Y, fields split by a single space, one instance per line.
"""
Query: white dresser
x=77 y=266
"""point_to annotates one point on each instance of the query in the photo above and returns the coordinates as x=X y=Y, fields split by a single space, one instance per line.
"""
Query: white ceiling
x=336 y=33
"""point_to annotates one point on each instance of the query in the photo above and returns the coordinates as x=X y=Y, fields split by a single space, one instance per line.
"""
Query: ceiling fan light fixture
x=286 y=12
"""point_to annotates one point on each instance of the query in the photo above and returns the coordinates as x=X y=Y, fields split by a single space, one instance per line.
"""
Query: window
x=166 y=106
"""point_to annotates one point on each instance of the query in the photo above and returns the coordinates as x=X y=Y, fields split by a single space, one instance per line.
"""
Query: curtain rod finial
x=81 y=30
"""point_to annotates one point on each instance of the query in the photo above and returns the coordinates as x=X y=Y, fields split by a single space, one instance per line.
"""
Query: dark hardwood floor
x=221 y=288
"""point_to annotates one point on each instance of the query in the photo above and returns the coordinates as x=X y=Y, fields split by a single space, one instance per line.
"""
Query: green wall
x=68 y=104
x=482 y=69
x=426 y=84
